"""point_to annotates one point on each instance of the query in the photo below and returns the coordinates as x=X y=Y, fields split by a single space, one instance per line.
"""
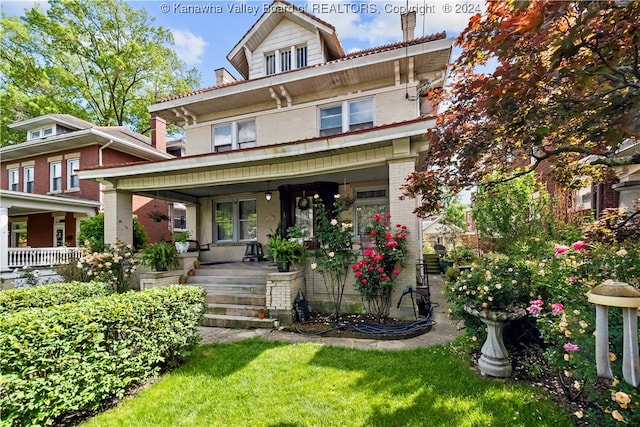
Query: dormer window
x=301 y=56
x=41 y=133
x=285 y=60
x=270 y=64
x=282 y=60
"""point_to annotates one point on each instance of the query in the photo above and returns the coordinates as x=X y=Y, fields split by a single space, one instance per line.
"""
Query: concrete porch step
x=237 y=299
x=234 y=309
x=237 y=279
x=241 y=322
x=233 y=288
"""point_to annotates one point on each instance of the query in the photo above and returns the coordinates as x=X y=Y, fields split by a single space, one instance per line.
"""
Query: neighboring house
x=304 y=118
x=438 y=233
x=43 y=200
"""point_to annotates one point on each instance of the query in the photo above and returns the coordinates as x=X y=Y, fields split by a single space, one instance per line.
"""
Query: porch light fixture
x=267 y=194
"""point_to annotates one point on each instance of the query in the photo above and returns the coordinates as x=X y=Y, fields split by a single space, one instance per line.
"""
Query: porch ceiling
x=191 y=194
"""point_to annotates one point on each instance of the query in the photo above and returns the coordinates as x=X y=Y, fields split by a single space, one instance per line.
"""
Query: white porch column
x=118 y=216
x=4 y=238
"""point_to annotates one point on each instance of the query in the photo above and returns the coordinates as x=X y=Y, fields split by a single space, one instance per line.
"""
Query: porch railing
x=41 y=257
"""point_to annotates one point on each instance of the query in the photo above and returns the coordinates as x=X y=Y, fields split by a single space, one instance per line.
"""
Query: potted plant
x=160 y=256
x=285 y=251
x=180 y=240
x=196 y=264
x=183 y=279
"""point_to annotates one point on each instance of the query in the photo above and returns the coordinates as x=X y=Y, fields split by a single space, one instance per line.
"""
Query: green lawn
x=264 y=383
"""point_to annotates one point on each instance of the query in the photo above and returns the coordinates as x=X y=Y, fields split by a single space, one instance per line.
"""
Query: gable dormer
x=284 y=38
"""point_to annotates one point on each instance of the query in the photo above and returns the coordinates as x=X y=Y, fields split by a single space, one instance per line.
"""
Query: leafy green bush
x=92 y=230
x=73 y=357
x=50 y=295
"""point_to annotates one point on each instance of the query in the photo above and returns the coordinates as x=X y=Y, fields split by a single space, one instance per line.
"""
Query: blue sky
x=205 y=31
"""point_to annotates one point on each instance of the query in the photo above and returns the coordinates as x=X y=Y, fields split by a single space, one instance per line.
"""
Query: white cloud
x=188 y=46
x=379 y=21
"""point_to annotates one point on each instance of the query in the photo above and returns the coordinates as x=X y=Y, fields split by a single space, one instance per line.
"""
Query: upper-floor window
x=73 y=182
x=270 y=64
x=29 y=179
x=14 y=180
x=301 y=56
x=235 y=220
x=359 y=115
x=55 y=176
x=234 y=135
x=41 y=133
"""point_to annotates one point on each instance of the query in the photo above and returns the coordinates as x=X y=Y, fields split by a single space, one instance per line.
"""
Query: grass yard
x=263 y=383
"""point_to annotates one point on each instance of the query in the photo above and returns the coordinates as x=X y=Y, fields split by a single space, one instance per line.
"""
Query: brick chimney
x=408 y=22
x=159 y=133
x=223 y=76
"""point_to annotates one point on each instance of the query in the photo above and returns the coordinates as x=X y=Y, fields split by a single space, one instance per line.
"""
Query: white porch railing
x=41 y=257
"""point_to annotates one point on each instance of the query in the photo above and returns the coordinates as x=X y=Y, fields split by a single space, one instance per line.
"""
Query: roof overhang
x=19 y=203
x=78 y=139
x=378 y=68
x=40 y=121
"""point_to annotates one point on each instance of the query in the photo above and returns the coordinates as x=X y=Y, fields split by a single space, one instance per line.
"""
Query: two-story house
x=302 y=118
x=42 y=198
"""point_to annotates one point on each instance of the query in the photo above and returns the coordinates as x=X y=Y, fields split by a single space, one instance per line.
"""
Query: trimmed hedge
x=50 y=295
x=74 y=357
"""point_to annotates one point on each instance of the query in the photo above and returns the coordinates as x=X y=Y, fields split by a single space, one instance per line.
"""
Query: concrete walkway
x=442 y=332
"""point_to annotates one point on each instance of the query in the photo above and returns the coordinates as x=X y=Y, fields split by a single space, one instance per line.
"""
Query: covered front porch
x=240 y=197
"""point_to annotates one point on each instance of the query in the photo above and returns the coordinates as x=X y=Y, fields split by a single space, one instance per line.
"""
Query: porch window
x=73 y=182
x=14 y=180
x=18 y=235
x=359 y=115
x=29 y=179
x=368 y=201
x=234 y=135
x=235 y=220
x=55 y=176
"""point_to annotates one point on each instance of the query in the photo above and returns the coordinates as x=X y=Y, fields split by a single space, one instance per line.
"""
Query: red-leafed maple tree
x=566 y=90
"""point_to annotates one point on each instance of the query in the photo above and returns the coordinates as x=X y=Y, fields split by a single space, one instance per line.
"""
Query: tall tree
x=566 y=92
x=100 y=60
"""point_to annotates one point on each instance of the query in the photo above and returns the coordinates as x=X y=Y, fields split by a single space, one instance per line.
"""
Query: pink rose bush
x=114 y=265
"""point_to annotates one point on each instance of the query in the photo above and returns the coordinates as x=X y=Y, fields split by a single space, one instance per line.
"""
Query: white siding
x=283 y=37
